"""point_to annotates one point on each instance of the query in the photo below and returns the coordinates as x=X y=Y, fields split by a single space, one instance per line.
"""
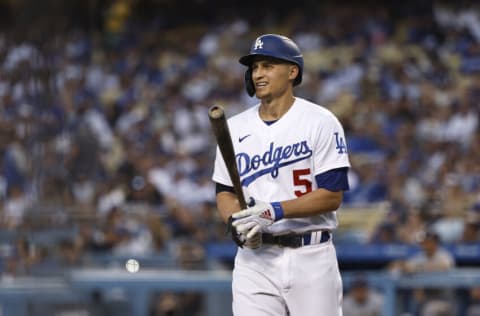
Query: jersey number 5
x=299 y=180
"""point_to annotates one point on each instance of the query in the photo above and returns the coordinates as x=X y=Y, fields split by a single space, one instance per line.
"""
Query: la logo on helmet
x=258 y=44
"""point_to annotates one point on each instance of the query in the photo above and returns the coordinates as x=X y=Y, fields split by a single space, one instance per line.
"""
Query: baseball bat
x=220 y=129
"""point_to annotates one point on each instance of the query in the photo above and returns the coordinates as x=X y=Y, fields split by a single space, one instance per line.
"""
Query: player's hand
x=253 y=242
x=237 y=237
x=254 y=219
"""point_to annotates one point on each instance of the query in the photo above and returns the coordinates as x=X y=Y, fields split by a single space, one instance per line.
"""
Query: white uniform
x=279 y=162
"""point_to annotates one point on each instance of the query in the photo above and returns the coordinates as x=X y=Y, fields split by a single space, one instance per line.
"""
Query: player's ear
x=293 y=72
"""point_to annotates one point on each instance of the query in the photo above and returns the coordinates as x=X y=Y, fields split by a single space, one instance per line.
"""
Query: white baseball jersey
x=279 y=162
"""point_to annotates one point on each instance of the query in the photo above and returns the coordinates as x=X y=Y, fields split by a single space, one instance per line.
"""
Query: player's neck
x=274 y=109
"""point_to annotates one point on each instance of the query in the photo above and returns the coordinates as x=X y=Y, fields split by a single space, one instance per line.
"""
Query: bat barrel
x=216 y=113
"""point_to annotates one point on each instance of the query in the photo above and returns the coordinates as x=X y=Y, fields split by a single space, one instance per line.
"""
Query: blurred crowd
x=107 y=129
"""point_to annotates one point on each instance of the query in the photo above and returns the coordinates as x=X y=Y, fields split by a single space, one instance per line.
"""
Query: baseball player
x=292 y=159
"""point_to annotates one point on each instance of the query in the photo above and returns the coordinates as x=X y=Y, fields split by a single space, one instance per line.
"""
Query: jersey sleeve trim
x=333 y=180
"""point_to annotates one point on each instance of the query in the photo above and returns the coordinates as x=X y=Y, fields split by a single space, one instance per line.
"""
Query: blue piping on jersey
x=273 y=170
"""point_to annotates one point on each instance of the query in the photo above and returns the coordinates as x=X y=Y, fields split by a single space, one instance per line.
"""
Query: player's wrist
x=278 y=210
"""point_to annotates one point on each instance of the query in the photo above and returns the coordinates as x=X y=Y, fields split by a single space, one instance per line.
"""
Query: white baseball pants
x=278 y=281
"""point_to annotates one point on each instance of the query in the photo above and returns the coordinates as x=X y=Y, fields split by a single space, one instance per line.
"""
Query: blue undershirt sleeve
x=333 y=180
x=223 y=188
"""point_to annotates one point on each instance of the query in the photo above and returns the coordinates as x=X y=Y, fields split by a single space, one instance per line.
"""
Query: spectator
x=362 y=300
x=16 y=205
x=473 y=307
x=385 y=233
x=431 y=258
x=471 y=227
x=413 y=227
x=21 y=260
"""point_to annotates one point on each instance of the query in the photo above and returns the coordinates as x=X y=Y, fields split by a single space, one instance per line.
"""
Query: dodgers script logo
x=271 y=160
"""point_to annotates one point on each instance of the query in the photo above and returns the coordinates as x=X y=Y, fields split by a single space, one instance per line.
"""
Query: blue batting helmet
x=276 y=46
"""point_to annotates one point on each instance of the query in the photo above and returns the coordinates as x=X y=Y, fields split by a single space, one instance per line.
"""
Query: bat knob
x=216 y=111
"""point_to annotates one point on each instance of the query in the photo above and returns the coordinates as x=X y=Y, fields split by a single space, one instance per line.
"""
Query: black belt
x=297 y=240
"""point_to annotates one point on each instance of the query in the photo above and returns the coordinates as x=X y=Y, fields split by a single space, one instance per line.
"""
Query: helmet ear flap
x=249 y=82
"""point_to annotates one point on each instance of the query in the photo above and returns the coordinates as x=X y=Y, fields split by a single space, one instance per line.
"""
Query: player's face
x=272 y=77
